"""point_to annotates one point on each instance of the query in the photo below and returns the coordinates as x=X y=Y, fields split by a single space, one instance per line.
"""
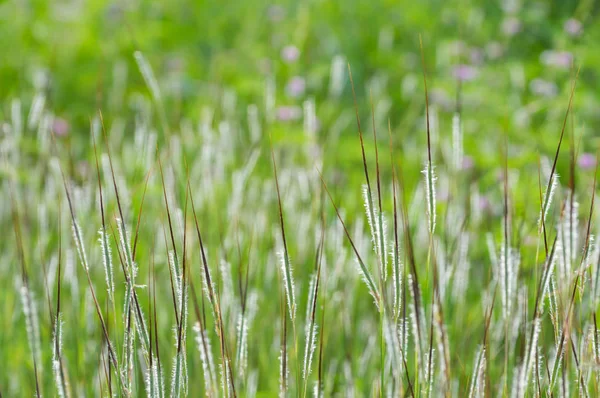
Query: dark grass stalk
x=46 y=288
x=106 y=252
x=554 y=163
x=429 y=174
x=542 y=219
x=505 y=265
x=311 y=329
x=399 y=280
x=131 y=294
x=214 y=301
x=202 y=332
x=414 y=281
x=171 y=280
x=381 y=255
x=155 y=319
x=320 y=387
x=364 y=270
x=566 y=324
x=242 y=330
x=481 y=357
x=429 y=373
x=128 y=337
x=151 y=382
x=362 y=147
x=139 y=218
x=106 y=373
x=180 y=378
x=27 y=301
x=112 y=355
x=380 y=228
x=564 y=332
x=396 y=247
x=287 y=269
x=61 y=383
x=438 y=309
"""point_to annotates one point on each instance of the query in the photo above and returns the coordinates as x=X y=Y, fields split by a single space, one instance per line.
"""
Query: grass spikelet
x=457 y=141
x=397 y=265
x=286 y=267
x=477 y=385
x=57 y=366
x=311 y=331
x=152 y=84
x=362 y=268
x=106 y=252
x=429 y=169
x=283 y=360
x=83 y=260
x=27 y=300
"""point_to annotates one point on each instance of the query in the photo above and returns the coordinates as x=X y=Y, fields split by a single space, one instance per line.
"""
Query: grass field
x=299 y=199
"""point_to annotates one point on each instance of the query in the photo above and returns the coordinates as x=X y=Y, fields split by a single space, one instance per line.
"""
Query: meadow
x=299 y=199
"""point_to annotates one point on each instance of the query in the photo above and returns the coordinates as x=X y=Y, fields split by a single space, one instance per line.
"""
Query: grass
x=151 y=230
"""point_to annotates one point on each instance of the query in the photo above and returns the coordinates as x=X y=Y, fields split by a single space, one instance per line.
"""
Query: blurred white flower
x=559 y=59
x=543 y=88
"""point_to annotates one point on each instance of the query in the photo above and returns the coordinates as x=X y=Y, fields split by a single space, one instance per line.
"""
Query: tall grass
x=467 y=301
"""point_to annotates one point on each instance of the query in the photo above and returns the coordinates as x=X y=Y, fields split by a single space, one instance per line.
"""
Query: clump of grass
x=435 y=329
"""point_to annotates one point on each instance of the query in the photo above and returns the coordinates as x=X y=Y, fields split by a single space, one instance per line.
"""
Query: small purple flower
x=467 y=163
x=543 y=88
x=465 y=72
x=289 y=113
x=60 y=127
x=295 y=87
x=559 y=59
x=586 y=161
x=290 y=54
x=511 y=26
x=483 y=203
x=573 y=27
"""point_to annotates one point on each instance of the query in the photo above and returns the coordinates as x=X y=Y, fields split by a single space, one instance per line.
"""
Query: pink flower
x=289 y=113
x=559 y=59
x=295 y=87
x=511 y=26
x=60 y=127
x=467 y=163
x=573 y=27
x=290 y=54
x=586 y=161
x=465 y=72
x=483 y=203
